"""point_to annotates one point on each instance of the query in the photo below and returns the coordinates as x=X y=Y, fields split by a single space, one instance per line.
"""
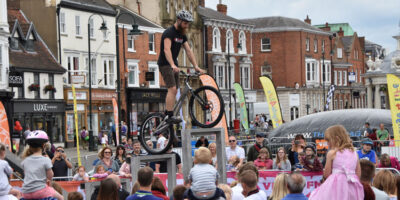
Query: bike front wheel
x=156 y=136
x=206 y=107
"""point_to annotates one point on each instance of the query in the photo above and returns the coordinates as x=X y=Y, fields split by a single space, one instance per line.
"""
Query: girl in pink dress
x=342 y=169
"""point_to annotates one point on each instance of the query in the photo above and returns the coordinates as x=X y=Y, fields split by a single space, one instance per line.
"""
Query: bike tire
x=192 y=108
x=143 y=135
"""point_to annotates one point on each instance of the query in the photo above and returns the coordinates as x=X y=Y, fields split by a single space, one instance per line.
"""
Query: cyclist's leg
x=171 y=80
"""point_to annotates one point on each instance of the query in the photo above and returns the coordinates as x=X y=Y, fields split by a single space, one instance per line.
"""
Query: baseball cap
x=260 y=134
x=367 y=141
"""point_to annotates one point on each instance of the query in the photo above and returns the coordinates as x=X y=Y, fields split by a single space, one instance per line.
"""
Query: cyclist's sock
x=169 y=113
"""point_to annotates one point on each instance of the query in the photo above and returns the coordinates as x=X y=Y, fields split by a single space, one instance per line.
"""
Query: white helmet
x=185 y=16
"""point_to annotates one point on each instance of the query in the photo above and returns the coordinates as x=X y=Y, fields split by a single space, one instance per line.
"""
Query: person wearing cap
x=254 y=150
x=311 y=161
x=366 y=152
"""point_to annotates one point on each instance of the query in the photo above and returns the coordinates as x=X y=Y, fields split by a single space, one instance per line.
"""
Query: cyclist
x=171 y=42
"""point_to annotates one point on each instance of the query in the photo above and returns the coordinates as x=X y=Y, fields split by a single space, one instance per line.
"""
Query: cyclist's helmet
x=185 y=16
x=37 y=138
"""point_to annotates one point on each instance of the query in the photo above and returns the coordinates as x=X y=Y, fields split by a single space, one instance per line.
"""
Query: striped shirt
x=142 y=153
x=203 y=177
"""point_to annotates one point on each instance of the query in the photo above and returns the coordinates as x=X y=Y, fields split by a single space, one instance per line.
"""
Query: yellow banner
x=76 y=126
x=393 y=84
x=272 y=100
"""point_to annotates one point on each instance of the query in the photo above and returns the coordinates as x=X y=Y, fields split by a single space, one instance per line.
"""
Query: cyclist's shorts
x=171 y=79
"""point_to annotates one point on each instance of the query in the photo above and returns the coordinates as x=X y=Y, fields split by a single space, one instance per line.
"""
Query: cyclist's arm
x=190 y=54
x=167 y=51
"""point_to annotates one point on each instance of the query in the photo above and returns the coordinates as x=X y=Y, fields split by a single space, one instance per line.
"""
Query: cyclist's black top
x=177 y=40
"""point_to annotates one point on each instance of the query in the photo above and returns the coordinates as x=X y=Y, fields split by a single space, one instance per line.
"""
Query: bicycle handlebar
x=190 y=74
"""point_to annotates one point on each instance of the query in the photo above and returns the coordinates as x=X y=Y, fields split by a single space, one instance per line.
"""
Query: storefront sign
x=39 y=107
x=149 y=76
x=103 y=95
x=294 y=100
x=16 y=79
x=352 y=77
x=79 y=95
x=148 y=95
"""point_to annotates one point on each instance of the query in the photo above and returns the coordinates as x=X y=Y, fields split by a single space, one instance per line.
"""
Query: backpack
x=83 y=134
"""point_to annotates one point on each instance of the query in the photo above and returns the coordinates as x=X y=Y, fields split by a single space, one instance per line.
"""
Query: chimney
x=13 y=4
x=202 y=3
x=307 y=20
x=326 y=27
x=340 y=32
x=222 y=8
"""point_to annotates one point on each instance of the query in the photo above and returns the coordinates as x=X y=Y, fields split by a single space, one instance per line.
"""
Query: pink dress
x=343 y=183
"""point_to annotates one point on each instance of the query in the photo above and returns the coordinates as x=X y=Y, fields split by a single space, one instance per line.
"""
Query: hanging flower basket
x=34 y=87
x=49 y=88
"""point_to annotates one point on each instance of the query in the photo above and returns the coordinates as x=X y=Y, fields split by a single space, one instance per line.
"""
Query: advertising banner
x=393 y=83
x=115 y=107
x=272 y=100
x=242 y=103
x=4 y=127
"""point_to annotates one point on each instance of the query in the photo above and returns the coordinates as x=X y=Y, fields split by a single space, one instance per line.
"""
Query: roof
x=208 y=13
x=96 y=6
x=139 y=20
x=279 y=23
x=41 y=58
x=347 y=42
x=335 y=27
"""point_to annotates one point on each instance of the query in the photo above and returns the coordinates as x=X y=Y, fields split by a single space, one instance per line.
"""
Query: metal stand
x=171 y=167
x=187 y=159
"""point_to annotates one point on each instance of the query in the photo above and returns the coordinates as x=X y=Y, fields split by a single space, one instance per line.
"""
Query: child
x=75 y=196
x=81 y=175
x=104 y=140
x=263 y=162
x=5 y=172
x=342 y=168
x=233 y=162
x=37 y=168
x=311 y=161
x=203 y=177
x=100 y=172
x=300 y=165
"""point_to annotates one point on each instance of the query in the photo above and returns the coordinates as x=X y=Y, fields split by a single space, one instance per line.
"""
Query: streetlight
x=133 y=33
x=323 y=77
x=103 y=29
x=332 y=74
x=239 y=46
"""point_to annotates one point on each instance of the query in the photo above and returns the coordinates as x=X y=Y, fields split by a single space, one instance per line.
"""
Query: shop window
x=153 y=67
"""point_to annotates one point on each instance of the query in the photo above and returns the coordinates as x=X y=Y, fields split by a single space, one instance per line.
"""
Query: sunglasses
x=232 y=140
x=108 y=152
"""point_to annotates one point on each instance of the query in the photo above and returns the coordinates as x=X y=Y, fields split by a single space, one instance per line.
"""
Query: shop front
x=141 y=102
x=42 y=115
x=102 y=111
x=81 y=104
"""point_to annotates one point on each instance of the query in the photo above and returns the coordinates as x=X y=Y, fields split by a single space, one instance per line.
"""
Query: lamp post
x=134 y=32
x=239 y=46
x=103 y=28
x=323 y=77
x=332 y=71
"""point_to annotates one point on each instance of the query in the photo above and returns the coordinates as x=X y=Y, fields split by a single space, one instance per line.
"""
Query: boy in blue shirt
x=366 y=152
x=145 y=178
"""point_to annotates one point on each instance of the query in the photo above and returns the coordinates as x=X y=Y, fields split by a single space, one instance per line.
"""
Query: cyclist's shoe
x=173 y=120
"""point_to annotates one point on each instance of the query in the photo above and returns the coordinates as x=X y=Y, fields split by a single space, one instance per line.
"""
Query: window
x=245 y=76
x=335 y=76
x=344 y=78
x=91 y=25
x=73 y=67
x=323 y=46
x=62 y=23
x=51 y=82
x=242 y=42
x=109 y=74
x=308 y=44
x=77 y=25
x=229 y=42
x=216 y=40
x=294 y=113
x=153 y=67
x=265 y=44
x=133 y=76
x=167 y=5
x=311 y=71
x=315 y=45
x=151 y=43
x=339 y=53
x=326 y=72
x=219 y=75
x=340 y=79
x=93 y=72
x=36 y=80
x=131 y=43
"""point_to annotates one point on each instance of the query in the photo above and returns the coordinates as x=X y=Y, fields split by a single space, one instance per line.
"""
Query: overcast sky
x=378 y=21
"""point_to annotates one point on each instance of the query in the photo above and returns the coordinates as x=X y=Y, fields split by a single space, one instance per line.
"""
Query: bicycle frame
x=184 y=93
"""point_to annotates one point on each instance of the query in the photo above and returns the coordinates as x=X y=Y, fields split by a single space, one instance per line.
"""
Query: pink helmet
x=37 y=138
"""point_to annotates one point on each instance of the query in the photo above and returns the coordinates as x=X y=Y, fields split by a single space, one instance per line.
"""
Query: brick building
x=221 y=31
x=291 y=51
x=139 y=55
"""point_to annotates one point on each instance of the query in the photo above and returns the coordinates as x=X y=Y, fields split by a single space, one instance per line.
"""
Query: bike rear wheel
x=151 y=123
x=209 y=109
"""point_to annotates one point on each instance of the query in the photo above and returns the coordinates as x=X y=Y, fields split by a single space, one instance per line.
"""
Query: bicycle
x=199 y=105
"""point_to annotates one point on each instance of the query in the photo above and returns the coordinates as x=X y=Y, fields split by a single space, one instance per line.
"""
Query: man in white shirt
x=161 y=141
x=249 y=181
x=234 y=150
x=237 y=191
